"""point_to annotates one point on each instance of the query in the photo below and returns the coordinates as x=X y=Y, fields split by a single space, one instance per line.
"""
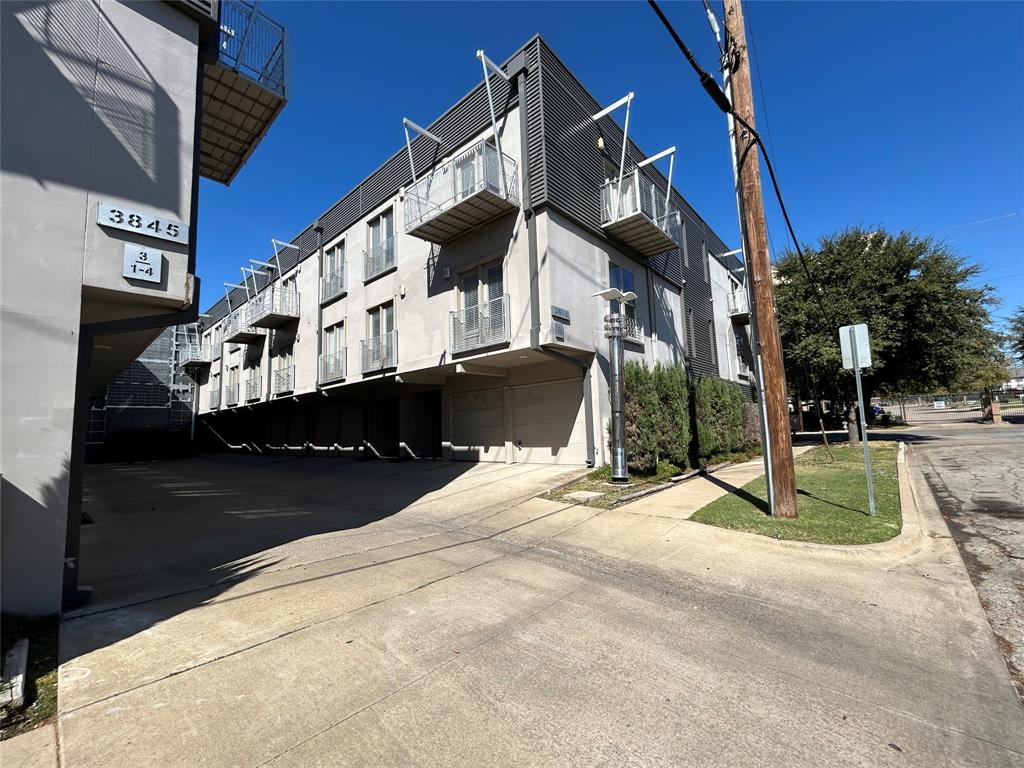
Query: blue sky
x=906 y=116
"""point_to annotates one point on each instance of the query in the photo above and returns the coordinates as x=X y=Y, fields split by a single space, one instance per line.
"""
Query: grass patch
x=600 y=480
x=41 y=678
x=832 y=500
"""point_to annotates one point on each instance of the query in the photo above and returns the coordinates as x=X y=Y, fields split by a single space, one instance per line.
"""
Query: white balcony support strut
x=490 y=65
x=671 y=154
x=278 y=247
x=628 y=101
x=246 y=271
x=406 y=125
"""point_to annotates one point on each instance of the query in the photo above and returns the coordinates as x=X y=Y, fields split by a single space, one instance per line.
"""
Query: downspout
x=534 y=261
x=319 y=304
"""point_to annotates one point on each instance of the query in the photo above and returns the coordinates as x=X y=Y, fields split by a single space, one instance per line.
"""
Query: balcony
x=284 y=380
x=243 y=89
x=461 y=195
x=332 y=285
x=379 y=259
x=231 y=394
x=481 y=326
x=332 y=366
x=634 y=329
x=214 y=398
x=739 y=311
x=379 y=353
x=253 y=388
x=195 y=355
x=274 y=307
x=237 y=330
x=639 y=216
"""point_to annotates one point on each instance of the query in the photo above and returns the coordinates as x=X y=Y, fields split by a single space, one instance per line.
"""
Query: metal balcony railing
x=253 y=388
x=284 y=379
x=737 y=305
x=468 y=185
x=253 y=44
x=380 y=352
x=231 y=394
x=634 y=329
x=237 y=328
x=332 y=366
x=215 y=398
x=479 y=326
x=623 y=210
x=378 y=259
x=332 y=284
x=273 y=306
x=195 y=355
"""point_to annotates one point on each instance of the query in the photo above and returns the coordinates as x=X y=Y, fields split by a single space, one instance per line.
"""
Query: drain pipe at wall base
x=529 y=221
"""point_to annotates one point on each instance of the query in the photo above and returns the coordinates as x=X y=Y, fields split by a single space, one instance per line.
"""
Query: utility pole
x=755 y=247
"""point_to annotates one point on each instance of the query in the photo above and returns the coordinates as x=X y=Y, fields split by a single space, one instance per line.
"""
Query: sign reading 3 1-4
x=119 y=217
x=142 y=263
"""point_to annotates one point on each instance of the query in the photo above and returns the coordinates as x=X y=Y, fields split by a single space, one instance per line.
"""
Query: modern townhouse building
x=111 y=111
x=444 y=307
x=732 y=338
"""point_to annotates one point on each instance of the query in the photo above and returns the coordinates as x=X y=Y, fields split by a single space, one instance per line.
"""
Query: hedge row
x=669 y=419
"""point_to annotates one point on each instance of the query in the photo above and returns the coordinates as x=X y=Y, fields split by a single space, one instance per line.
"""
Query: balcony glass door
x=382 y=323
x=470 y=290
x=494 y=312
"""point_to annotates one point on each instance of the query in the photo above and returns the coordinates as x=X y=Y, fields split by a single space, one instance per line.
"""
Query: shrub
x=641 y=408
x=719 y=414
x=673 y=415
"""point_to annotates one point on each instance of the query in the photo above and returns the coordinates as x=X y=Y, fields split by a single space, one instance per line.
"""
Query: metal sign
x=142 y=263
x=151 y=225
x=846 y=344
x=853 y=340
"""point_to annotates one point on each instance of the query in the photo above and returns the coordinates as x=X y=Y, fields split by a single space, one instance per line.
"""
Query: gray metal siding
x=575 y=170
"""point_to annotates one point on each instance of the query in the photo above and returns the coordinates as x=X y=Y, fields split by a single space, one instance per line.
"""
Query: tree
x=1015 y=338
x=930 y=328
x=641 y=407
x=673 y=418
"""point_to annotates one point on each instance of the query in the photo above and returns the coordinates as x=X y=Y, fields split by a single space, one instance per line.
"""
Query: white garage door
x=478 y=425
x=547 y=424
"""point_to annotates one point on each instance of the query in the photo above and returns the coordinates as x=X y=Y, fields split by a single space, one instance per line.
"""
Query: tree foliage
x=674 y=413
x=930 y=327
x=641 y=408
x=719 y=406
x=1015 y=338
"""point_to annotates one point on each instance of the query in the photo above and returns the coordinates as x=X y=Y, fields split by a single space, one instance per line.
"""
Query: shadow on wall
x=32 y=532
x=114 y=128
x=170 y=536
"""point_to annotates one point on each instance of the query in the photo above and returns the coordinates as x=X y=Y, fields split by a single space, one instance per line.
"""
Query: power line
x=713 y=90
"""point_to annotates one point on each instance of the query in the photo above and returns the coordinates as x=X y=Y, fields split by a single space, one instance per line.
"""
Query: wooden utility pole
x=755 y=247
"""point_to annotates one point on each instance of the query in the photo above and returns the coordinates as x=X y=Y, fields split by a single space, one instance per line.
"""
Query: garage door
x=547 y=424
x=478 y=425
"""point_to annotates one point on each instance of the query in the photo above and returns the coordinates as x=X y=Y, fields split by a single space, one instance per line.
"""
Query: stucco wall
x=98 y=104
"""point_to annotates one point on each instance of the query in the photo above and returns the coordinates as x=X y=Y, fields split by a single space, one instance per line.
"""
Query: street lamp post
x=615 y=332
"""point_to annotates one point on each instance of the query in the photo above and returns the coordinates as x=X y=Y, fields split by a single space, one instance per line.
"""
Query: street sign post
x=856 y=349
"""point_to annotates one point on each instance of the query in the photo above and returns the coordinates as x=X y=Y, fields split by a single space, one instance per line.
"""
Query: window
x=622 y=278
x=382 y=233
x=704 y=260
x=380 y=321
x=380 y=253
x=714 y=345
x=334 y=339
x=288 y=283
x=284 y=357
x=689 y=334
x=333 y=268
x=481 y=307
x=232 y=377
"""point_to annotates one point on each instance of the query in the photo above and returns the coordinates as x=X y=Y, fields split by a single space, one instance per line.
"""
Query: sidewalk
x=680 y=502
x=32 y=749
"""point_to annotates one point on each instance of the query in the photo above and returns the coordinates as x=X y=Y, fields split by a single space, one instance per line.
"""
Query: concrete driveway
x=297 y=612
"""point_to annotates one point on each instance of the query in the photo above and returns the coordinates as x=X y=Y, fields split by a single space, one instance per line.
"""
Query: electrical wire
x=722 y=102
